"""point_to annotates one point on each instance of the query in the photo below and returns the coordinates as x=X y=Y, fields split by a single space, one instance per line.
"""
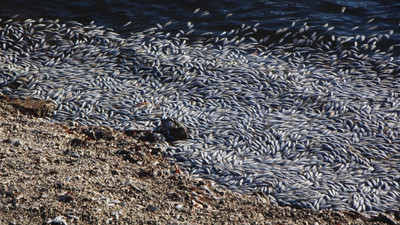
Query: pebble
x=308 y=117
x=65 y=198
x=152 y=208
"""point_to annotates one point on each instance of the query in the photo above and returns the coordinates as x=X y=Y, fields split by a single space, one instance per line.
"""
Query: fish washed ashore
x=57 y=174
x=309 y=119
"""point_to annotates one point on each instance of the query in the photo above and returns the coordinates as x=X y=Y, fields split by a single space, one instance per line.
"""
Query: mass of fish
x=307 y=117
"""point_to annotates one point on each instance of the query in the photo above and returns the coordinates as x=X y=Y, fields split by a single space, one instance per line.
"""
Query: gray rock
x=172 y=130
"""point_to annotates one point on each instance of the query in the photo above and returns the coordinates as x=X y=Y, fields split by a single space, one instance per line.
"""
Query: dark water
x=223 y=14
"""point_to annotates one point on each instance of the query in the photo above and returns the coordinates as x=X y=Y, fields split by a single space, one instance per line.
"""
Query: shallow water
x=223 y=14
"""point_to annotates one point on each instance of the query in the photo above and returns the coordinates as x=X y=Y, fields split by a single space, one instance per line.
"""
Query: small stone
x=152 y=208
x=66 y=198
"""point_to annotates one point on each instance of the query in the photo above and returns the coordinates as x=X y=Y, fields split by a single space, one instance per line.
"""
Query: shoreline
x=50 y=170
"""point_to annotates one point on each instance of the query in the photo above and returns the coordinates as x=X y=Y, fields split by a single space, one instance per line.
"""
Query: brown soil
x=92 y=175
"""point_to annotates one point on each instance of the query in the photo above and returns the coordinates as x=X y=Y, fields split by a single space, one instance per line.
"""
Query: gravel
x=121 y=180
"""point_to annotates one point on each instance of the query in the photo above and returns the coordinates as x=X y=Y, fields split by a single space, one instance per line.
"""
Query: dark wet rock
x=30 y=106
x=152 y=137
x=172 y=130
